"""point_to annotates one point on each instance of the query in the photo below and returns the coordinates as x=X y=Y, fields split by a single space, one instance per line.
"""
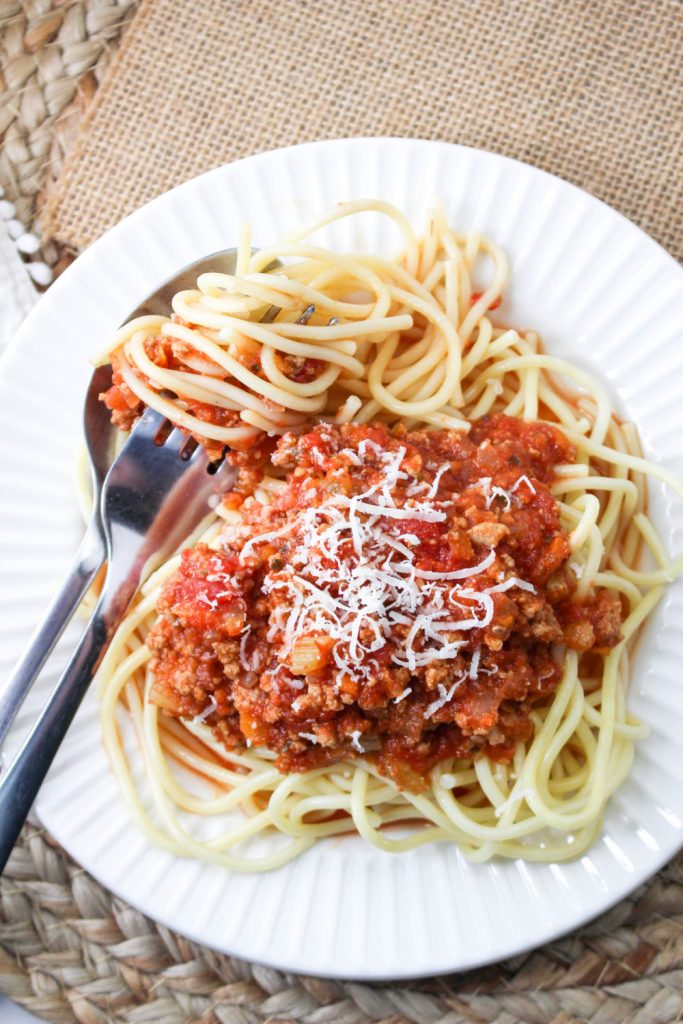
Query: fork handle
x=20 y=784
x=89 y=560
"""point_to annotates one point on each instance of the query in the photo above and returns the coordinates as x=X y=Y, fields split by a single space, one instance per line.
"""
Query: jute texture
x=69 y=951
x=590 y=91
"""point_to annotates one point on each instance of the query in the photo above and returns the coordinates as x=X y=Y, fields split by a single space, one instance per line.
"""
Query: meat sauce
x=170 y=353
x=459 y=646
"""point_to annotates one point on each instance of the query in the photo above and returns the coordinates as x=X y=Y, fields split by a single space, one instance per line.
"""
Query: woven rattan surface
x=71 y=951
x=590 y=91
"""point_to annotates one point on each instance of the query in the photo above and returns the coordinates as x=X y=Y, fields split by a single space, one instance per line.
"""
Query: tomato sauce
x=400 y=600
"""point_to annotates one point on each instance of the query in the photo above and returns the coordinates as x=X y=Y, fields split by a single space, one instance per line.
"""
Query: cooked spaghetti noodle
x=409 y=342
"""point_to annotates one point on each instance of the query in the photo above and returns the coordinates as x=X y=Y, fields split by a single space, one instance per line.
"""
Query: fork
x=99 y=435
x=155 y=494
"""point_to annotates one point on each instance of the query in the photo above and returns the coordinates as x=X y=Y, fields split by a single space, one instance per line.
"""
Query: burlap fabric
x=590 y=91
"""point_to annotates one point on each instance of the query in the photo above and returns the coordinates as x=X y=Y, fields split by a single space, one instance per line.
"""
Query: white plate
x=601 y=293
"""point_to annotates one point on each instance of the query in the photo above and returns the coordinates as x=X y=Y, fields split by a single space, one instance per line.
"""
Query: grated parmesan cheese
x=511 y=581
x=524 y=479
x=356 y=743
x=246 y=664
x=491 y=493
x=310 y=736
x=444 y=695
x=206 y=712
x=351 y=575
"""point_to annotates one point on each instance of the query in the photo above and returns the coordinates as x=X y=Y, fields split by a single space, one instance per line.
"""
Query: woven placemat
x=589 y=91
x=69 y=951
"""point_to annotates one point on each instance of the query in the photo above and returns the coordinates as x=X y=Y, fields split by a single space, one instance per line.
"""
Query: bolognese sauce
x=169 y=353
x=400 y=599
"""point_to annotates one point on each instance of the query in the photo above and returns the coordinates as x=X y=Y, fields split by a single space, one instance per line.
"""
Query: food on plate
x=412 y=616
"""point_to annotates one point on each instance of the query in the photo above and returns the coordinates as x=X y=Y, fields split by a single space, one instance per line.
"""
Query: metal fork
x=99 y=433
x=156 y=492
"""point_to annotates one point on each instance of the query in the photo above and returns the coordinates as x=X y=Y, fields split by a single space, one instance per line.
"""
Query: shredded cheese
x=491 y=492
x=444 y=696
x=356 y=743
x=310 y=736
x=351 y=575
x=207 y=711
x=523 y=480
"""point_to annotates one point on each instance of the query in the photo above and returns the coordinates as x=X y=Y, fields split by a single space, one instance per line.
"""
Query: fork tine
x=199 y=452
x=163 y=432
x=154 y=426
x=149 y=425
x=176 y=441
x=189 y=448
x=306 y=315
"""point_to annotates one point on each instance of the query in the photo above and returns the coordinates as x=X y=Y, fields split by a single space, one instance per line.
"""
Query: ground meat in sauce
x=222 y=630
x=169 y=353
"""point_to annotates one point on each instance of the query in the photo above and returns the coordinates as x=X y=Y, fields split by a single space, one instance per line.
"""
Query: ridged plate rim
x=503 y=909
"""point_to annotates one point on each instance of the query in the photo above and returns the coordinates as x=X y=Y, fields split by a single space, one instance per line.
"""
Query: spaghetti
x=397 y=359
